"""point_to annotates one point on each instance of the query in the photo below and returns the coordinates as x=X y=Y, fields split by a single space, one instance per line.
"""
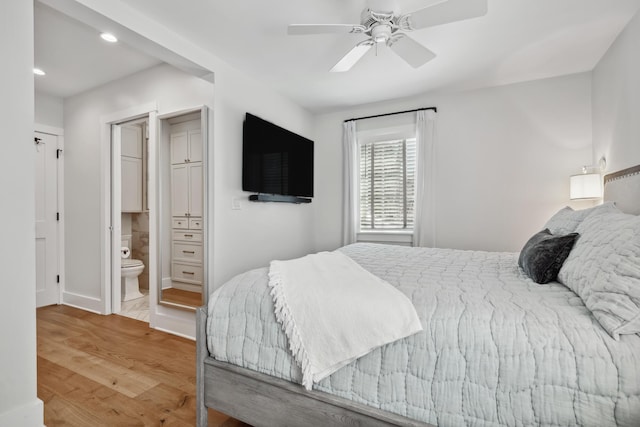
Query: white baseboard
x=166 y=282
x=82 y=302
x=173 y=332
x=176 y=321
x=29 y=415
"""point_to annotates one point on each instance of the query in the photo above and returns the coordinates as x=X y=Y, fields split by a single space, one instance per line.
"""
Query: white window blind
x=387 y=189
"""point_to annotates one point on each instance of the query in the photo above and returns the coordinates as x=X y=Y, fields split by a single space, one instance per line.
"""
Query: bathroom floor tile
x=137 y=308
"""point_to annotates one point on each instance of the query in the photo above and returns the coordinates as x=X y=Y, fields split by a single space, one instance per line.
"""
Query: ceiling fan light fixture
x=380 y=39
x=381 y=33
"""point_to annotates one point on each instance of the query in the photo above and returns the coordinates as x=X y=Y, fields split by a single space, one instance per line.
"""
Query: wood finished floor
x=179 y=296
x=98 y=370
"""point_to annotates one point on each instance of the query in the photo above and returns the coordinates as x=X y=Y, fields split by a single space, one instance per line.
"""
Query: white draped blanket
x=333 y=311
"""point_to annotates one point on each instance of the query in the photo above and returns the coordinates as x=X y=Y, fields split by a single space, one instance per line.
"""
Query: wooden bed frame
x=262 y=400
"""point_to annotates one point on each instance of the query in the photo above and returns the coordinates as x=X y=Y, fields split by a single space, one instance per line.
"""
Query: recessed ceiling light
x=109 y=37
x=38 y=72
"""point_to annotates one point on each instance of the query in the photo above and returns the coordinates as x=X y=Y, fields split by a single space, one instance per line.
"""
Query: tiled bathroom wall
x=125 y=219
x=140 y=243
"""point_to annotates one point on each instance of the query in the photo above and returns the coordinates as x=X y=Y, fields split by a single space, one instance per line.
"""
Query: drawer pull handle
x=188 y=272
x=189 y=252
x=188 y=235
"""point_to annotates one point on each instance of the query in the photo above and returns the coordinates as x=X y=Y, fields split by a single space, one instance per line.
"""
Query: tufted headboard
x=623 y=187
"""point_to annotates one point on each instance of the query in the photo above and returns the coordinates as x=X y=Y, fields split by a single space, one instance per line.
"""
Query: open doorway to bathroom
x=134 y=218
x=129 y=214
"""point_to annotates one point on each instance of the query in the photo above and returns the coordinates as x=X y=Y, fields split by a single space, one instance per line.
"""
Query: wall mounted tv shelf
x=278 y=198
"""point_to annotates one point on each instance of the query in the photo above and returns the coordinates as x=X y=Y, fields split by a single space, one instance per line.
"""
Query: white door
x=46 y=185
x=131 y=140
x=195 y=146
x=195 y=189
x=179 y=190
x=179 y=148
x=116 y=216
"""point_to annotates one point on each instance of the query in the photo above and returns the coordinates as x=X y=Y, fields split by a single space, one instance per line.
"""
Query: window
x=387 y=189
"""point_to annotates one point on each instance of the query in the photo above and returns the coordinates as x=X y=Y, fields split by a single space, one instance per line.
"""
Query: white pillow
x=566 y=220
x=603 y=269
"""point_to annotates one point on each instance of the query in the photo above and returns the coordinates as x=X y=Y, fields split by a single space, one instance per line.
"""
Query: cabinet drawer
x=190 y=252
x=187 y=236
x=180 y=223
x=186 y=272
x=195 y=223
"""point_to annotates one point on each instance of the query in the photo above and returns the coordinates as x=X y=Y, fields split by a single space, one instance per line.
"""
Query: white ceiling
x=517 y=40
x=74 y=56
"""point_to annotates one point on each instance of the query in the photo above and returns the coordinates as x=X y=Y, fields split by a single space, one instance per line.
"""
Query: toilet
x=130 y=269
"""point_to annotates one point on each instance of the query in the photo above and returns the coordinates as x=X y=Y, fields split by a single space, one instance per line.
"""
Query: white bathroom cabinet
x=186 y=209
x=186 y=147
x=186 y=190
x=187 y=252
x=132 y=170
x=131 y=184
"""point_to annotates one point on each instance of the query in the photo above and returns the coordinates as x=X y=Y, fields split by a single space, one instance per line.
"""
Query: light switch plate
x=235 y=203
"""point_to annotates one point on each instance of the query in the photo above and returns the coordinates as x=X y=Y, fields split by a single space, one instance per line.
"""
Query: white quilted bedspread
x=497 y=348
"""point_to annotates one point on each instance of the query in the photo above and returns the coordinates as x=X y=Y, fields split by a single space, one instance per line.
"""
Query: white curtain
x=350 y=205
x=424 y=228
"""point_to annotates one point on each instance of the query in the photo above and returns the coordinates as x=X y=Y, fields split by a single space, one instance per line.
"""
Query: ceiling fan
x=384 y=25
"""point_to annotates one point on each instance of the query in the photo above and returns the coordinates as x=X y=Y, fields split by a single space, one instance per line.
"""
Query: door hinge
x=58 y=278
x=57 y=216
x=58 y=151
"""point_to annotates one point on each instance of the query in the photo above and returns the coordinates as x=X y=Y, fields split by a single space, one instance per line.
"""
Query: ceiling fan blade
x=353 y=56
x=305 y=29
x=448 y=11
x=410 y=50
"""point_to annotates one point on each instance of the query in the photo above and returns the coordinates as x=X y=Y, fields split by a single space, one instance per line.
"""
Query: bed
x=496 y=349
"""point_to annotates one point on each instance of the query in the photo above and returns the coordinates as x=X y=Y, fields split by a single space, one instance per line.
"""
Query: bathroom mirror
x=182 y=227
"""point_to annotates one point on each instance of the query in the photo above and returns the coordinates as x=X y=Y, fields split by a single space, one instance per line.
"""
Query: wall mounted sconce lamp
x=588 y=184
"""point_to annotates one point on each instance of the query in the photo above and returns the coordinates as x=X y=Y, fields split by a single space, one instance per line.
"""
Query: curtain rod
x=435 y=109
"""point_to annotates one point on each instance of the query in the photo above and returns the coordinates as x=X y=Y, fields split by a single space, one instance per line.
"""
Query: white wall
x=19 y=405
x=172 y=90
x=258 y=232
x=504 y=156
x=616 y=101
x=242 y=238
x=49 y=110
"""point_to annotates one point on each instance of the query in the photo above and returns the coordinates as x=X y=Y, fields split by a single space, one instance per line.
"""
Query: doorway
x=133 y=140
x=129 y=214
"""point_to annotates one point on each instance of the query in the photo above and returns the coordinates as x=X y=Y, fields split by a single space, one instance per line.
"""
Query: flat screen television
x=276 y=163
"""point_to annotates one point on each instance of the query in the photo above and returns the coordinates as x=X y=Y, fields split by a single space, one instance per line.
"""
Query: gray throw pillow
x=543 y=255
x=566 y=220
x=604 y=271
